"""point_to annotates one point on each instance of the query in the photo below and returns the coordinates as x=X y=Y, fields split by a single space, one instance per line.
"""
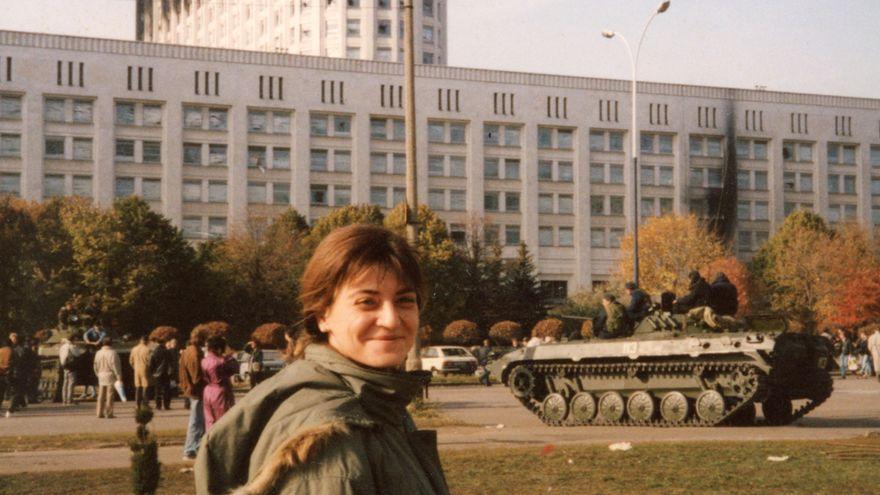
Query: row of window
x=262 y=192
x=555 y=236
x=748 y=241
x=753 y=210
x=605 y=237
x=194 y=227
x=329 y=195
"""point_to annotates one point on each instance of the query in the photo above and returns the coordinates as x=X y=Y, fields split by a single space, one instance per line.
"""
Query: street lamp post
x=634 y=61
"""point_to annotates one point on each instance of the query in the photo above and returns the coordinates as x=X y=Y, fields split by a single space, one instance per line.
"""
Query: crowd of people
x=857 y=351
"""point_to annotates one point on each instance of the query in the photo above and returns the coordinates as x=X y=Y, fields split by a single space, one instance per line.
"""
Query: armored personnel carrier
x=673 y=372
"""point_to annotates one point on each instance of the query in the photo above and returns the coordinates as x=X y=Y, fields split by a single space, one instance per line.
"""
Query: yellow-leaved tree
x=669 y=248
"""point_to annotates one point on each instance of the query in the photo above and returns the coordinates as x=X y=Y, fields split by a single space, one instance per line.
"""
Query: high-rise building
x=359 y=29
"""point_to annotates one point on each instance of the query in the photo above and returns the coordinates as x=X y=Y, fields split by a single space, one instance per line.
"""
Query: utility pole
x=413 y=359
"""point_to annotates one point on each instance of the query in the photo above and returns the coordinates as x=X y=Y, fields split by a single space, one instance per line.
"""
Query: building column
x=360 y=158
x=32 y=147
x=863 y=182
x=775 y=183
x=820 y=167
x=529 y=175
x=236 y=185
x=583 y=275
x=421 y=155
x=172 y=162
x=104 y=176
x=300 y=163
x=474 y=171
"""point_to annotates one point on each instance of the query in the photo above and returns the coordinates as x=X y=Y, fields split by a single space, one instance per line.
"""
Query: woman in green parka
x=335 y=421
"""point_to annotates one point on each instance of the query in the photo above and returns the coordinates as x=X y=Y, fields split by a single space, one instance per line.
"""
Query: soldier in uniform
x=616 y=322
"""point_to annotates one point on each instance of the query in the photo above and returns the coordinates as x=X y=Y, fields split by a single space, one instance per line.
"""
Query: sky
x=809 y=46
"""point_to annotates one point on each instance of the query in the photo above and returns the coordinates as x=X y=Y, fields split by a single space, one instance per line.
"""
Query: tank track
x=822 y=394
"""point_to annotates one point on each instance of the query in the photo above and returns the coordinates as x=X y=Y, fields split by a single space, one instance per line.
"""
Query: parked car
x=273 y=361
x=444 y=359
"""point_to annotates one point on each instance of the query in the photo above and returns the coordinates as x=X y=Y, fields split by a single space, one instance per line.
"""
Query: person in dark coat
x=19 y=374
x=33 y=371
x=639 y=303
x=162 y=366
x=698 y=294
x=723 y=296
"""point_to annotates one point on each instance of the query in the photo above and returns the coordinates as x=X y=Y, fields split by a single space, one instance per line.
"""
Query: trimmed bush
x=504 y=332
x=163 y=334
x=271 y=335
x=145 y=466
x=549 y=327
x=204 y=331
x=461 y=332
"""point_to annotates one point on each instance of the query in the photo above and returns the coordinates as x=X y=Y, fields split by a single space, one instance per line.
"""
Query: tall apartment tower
x=361 y=29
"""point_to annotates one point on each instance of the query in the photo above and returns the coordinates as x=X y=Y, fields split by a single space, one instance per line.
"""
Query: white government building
x=220 y=139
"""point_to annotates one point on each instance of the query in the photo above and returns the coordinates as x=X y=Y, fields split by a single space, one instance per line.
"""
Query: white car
x=444 y=359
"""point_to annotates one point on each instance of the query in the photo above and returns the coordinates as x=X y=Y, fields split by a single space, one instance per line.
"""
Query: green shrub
x=145 y=466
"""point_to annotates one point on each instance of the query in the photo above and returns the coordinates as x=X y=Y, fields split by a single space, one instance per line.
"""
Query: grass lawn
x=83 y=440
x=660 y=468
x=426 y=415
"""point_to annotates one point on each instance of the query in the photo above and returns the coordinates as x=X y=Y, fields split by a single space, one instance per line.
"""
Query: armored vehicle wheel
x=555 y=408
x=745 y=416
x=777 y=408
x=583 y=408
x=522 y=382
x=710 y=406
x=640 y=407
x=674 y=407
x=611 y=407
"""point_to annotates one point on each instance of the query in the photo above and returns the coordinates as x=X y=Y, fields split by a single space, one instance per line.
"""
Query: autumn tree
x=255 y=278
x=525 y=301
x=805 y=265
x=858 y=299
x=135 y=264
x=340 y=217
x=17 y=240
x=440 y=262
x=669 y=248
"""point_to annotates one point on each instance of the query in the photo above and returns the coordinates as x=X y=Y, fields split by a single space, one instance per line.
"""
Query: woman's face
x=373 y=319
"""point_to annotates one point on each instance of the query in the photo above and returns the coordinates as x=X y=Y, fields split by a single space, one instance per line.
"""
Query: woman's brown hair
x=346 y=253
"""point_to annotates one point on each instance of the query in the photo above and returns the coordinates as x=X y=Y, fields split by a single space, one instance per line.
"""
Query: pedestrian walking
x=162 y=361
x=335 y=420
x=68 y=356
x=108 y=369
x=7 y=361
x=139 y=359
x=192 y=384
x=218 y=369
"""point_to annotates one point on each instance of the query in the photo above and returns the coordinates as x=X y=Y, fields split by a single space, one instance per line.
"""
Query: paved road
x=853 y=409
